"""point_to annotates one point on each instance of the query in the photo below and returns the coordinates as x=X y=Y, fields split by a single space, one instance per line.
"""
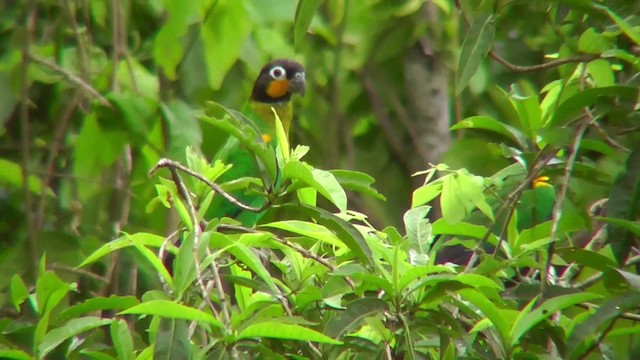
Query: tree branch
x=167 y=163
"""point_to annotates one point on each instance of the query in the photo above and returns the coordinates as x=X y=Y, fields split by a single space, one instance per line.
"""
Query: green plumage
x=276 y=83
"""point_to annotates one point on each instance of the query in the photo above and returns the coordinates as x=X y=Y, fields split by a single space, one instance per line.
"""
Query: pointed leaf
x=172 y=310
x=418 y=228
x=546 y=310
x=278 y=330
x=304 y=15
x=344 y=230
x=172 y=340
x=493 y=125
x=122 y=339
x=346 y=321
x=321 y=180
x=475 y=47
x=72 y=328
x=586 y=333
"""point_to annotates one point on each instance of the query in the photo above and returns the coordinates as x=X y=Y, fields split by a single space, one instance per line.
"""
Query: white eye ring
x=278 y=73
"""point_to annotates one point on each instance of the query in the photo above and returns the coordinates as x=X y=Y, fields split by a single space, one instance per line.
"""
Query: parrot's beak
x=297 y=85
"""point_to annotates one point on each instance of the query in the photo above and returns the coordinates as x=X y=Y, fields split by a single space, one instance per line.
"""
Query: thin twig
x=634 y=260
x=304 y=252
x=167 y=163
x=533 y=68
x=80 y=272
x=562 y=193
x=545 y=66
x=197 y=233
x=539 y=163
x=72 y=78
x=608 y=139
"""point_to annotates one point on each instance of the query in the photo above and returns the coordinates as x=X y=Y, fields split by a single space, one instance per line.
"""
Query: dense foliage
x=110 y=112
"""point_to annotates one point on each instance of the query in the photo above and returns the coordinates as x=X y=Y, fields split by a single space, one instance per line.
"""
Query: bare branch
x=167 y=163
x=72 y=78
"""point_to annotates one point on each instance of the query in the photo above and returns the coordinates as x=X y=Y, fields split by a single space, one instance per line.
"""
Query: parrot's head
x=278 y=80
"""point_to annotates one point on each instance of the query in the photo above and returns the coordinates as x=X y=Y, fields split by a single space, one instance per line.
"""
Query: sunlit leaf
x=172 y=310
x=278 y=330
x=122 y=339
x=323 y=181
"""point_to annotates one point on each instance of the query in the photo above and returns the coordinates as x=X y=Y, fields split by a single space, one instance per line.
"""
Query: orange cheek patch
x=278 y=88
x=266 y=138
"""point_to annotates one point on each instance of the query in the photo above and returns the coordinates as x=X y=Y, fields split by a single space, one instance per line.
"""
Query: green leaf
x=112 y=302
x=244 y=130
x=308 y=229
x=141 y=238
x=427 y=192
x=492 y=313
x=72 y=328
x=321 y=180
x=184 y=270
x=525 y=101
x=153 y=259
x=588 y=258
x=15 y=354
x=546 y=310
x=623 y=207
x=283 y=140
x=583 y=336
x=473 y=192
x=278 y=330
x=592 y=42
x=451 y=201
x=304 y=15
x=441 y=226
x=573 y=106
x=418 y=228
x=172 y=310
x=629 y=30
x=475 y=47
x=12 y=174
x=167 y=46
x=50 y=290
x=122 y=339
x=357 y=181
x=493 y=125
x=344 y=230
x=632 y=279
x=184 y=129
x=247 y=256
x=19 y=291
x=346 y=321
x=223 y=34
x=172 y=340
x=601 y=73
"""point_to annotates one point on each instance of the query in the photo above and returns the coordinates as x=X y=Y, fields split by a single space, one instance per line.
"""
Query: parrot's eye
x=278 y=73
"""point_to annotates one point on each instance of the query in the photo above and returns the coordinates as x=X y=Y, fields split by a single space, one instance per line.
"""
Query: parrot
x=274 y=87
x=534 y=207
